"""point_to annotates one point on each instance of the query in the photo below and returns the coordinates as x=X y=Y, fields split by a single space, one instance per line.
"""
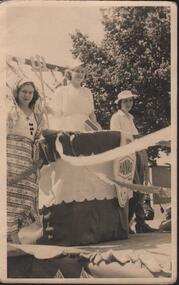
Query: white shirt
x=71 y=107
x=124 y=123
x=25 y=125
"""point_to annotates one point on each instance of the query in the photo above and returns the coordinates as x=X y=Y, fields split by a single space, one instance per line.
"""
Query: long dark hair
x=36 y=95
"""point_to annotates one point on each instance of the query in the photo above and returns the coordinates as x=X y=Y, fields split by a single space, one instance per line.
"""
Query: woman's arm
x=54 y=106
x=91 y=107
x=12 y=116
x=92 y=117
x=50 y=110
x=115 y=123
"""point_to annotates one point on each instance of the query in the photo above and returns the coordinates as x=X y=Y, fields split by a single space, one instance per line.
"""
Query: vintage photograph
x=90 y=136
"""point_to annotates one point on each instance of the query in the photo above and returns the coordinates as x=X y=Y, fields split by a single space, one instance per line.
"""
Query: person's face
x=126 y=104
x=77 y=76
x=25 y=95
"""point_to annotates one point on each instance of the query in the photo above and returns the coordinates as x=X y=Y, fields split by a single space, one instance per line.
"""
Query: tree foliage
x=134 y=54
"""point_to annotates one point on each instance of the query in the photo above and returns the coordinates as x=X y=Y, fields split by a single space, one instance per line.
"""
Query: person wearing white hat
x=125 y=94
x=123 y=121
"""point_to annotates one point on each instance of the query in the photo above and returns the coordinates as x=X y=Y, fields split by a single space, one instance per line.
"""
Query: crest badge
x=126 y=168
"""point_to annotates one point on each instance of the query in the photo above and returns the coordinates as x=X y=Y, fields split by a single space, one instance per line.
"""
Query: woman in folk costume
x=72 y=106
x=24 y=124
x=123 y=121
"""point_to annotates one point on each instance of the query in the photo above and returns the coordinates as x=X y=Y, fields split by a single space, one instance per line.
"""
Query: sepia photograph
x=89 y=125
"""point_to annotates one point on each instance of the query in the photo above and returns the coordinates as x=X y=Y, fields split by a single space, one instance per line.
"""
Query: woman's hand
x=54 y=112
x=30 y=234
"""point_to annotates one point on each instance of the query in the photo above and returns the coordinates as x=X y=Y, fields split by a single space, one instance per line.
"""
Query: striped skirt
x=22 y=196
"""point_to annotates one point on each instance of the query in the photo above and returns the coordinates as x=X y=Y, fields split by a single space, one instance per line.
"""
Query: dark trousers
x=136 y=207
x=136 y=202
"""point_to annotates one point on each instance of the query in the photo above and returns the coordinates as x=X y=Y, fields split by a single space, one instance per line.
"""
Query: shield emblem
x=122 y=195
x=125 y=173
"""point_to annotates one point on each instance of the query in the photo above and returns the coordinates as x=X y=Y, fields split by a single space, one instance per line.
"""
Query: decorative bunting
x=137 y=145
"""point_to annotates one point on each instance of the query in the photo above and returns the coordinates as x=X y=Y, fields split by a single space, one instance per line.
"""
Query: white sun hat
x=124 y=95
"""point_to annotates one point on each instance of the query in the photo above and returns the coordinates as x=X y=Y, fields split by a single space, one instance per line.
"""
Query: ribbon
x=134 y=187
x=124 y=150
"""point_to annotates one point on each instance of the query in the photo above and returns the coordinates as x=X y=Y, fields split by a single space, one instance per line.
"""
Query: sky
x=45 y=31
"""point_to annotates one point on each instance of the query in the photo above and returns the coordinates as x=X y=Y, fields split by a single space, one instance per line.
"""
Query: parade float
x=85 y=231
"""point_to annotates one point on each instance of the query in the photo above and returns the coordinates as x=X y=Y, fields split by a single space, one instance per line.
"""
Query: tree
x=135 y=55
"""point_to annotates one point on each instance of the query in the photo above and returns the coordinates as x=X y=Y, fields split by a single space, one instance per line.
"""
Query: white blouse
x=124 y=123
x=25 y=125
x=71 y=107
